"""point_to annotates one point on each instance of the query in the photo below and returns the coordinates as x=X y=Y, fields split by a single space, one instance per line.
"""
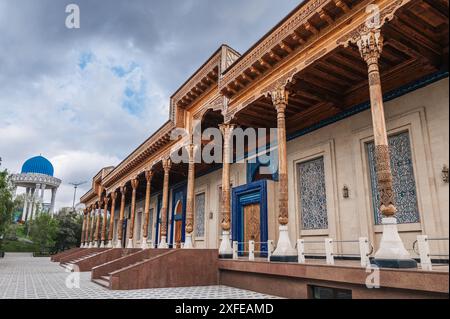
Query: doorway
x=249 y=217
x=178 y=224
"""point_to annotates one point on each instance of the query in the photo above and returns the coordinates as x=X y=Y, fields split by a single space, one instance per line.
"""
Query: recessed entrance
x=250 y=217
x=178 y=224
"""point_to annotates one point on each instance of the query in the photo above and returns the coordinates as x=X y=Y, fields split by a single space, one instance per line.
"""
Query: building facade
x=358 y=94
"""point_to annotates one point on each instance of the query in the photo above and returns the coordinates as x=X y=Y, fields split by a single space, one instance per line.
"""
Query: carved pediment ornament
x=282 y=82
x=373 y=24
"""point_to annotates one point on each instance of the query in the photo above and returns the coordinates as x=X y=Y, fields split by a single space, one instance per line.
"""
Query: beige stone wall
x=424 y=114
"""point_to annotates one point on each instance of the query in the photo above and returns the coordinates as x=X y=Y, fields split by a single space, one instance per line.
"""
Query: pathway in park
x=25 y=277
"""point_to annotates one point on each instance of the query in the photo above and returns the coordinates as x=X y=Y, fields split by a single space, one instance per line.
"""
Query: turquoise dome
x=38 y=165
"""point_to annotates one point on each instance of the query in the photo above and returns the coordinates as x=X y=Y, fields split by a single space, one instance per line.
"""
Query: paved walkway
x=25 y=277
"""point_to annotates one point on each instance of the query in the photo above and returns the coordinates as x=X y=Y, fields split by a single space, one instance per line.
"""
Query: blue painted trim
x=158 y=216
x=254 y=193
x=124 y=232
x=252 y=168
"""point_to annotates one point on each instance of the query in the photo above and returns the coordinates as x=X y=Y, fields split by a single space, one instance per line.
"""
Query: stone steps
x=69 y=264
x=158 y=269
x=102 y=282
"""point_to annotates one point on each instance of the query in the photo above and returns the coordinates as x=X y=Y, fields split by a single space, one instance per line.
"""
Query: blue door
x=178 y=223
x=250 y=198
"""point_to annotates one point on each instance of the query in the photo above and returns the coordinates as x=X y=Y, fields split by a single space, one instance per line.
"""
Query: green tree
x=43 y=231
x=69 y=230
x=6 y=204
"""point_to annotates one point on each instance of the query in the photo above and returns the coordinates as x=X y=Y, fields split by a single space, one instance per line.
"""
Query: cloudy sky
x=85 y=98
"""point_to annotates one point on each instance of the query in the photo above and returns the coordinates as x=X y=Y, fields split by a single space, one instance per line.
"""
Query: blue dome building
x=38 y=165
x=36 y=177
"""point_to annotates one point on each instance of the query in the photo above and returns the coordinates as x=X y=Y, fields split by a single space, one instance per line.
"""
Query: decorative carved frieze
x=278 y=35
x=280 y=82
x=197 y=78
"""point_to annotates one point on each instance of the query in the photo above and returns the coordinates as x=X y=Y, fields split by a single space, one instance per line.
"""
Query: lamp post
x=75 y=186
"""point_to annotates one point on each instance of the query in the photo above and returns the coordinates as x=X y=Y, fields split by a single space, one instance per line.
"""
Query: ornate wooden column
x=123 y=191
x=134 y=186
x=111 y=219
x=284 y=251
x=97 y=227
x=189 y=244
x=92 y=226
x=225 y=249
x=148 y=178
x=86 y=230
x=167 y=164
x=83 y=229
x=105 y=221
x=392 y=253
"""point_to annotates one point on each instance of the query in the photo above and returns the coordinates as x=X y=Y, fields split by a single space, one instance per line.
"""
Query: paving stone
x=24 y=277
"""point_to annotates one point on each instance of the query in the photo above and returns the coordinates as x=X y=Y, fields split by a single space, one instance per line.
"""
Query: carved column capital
x=227 y=129
x=113 y=195
x=123 y=190
x=280 y=98
x=106 y=200
x=134 y=183
x=167 y=165
x=370 y=45
x=149 y=175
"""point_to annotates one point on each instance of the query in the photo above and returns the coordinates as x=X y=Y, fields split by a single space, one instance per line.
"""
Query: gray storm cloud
x=85 y=98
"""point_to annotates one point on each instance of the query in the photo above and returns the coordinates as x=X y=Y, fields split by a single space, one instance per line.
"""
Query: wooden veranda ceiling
x=415 y=45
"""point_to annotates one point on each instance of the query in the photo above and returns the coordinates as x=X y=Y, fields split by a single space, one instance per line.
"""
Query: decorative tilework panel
x=405 y=193
x=200 y=215
x=312 y=194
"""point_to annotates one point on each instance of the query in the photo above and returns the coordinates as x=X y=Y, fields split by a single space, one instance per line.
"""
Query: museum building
x=357 y=91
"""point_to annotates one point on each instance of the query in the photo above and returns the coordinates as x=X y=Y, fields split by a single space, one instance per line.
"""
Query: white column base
x=118 y=244
x=188 y=244
x=225 y=249
x=95 y=244
x=110 y=244
x=144 y=244
x=163 y=243
x=130 y=244
x=82 y=246
x=102 y=244
x=284 y=251
x=392 y=252
x=90 y=245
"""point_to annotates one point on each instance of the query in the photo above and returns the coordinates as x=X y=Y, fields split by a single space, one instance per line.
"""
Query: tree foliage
x=6 y=203
x=69 y=230
x=43 y=232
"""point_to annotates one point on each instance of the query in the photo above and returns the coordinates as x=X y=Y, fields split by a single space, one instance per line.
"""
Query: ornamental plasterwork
x=404 y=184
x=312 y=195
x=280 y=82
x=385 y=15
x=32 y=178
x=299 y=18
x=217 y=103
x=200 y=215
